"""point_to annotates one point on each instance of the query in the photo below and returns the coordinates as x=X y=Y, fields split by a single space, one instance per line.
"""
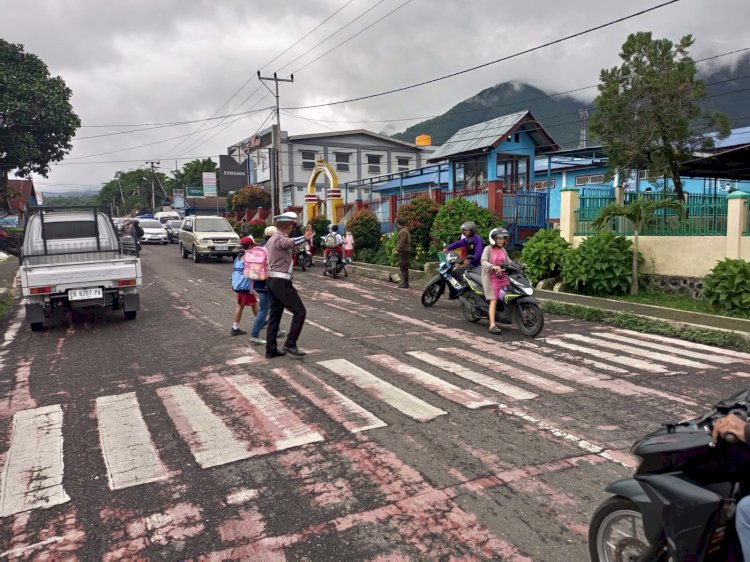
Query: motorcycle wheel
x=302 y=263
x=616 y=532
x=530 y=319
x=433 y=291
x=467 y=309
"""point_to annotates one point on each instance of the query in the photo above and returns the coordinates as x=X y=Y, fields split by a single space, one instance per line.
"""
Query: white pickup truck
x=73 y=258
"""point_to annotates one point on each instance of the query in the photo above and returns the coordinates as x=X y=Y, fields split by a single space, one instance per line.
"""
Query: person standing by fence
x=403 y=251
x=349 y=246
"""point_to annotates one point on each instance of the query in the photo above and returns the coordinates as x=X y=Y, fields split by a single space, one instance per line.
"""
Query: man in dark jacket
x=403 y=250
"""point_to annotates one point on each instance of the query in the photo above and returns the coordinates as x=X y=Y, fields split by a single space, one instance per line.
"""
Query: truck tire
x=131 y=314
x=37 y=326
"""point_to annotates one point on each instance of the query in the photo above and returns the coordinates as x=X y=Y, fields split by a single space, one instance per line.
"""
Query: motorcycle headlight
x=528 y=290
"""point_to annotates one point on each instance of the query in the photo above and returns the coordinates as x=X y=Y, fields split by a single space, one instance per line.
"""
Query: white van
x=164 y=216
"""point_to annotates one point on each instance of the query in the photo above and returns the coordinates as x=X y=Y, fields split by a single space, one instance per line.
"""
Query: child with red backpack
x=242 y=286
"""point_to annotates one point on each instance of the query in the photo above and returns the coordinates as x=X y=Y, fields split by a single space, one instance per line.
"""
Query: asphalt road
x=405 y=433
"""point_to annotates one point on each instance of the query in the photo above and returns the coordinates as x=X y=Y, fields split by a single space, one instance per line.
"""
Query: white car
x=153 y=232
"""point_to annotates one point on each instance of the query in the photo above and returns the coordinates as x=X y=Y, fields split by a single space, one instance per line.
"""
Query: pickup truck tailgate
x=66 y=276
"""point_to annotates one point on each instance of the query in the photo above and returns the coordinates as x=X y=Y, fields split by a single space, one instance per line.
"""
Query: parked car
x=208 y=237
x=173 y=231
x=72 y=258
x=153 y=232
x=166 y=216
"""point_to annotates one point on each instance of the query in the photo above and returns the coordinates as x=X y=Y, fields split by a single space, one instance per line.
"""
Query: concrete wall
x=745 y=248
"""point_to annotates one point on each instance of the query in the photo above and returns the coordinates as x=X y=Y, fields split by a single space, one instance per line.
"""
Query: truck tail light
x=40 y=290
x=125 y=282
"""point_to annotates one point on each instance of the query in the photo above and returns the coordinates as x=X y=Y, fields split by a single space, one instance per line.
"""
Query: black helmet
x=470 y=226
x=335 y=228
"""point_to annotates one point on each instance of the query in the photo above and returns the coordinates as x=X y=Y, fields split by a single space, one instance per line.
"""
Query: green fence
x=705 y=215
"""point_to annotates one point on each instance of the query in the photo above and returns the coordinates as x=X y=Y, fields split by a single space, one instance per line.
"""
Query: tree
x=365 y=227
x=37 y=121
x=640 y=212
x=419 y=216
x=446 y=227
x=191 y=174
x=131 y=190
x=647 y=113
x=250 y=198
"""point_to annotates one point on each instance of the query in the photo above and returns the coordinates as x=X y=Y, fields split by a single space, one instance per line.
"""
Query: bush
x=236 y=225
x=320 y=228
x=376 y=256
x=256 y=228
x=728 y=285
x=365 y=227
x=419 y=216
x=601 y=266
x=446 y=227
x=543 y=255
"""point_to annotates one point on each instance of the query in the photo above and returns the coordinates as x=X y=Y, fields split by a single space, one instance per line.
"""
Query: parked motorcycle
x=517 y=306
x=446 y=277
x=680 y=504
x=333 y=265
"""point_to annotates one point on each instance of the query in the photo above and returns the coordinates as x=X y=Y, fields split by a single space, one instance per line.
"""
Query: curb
x=380 y=272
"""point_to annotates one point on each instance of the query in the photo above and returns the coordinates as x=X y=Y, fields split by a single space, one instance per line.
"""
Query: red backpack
x=256 y=264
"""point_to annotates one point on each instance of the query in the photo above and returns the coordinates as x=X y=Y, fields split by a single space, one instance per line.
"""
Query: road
x=404 y=433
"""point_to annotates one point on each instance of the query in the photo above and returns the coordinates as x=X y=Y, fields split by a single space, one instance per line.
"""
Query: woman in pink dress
x=494 y=280
x=349 y=246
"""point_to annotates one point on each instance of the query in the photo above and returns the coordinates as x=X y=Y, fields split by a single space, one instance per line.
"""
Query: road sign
x=209 y=184
x=195 y=192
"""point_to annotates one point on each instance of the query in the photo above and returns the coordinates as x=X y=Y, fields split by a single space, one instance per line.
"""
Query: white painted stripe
x=283 y=426
x=393 y=396
x=558 y=355
x=663 y=357
x=465 y=397
x=337 y=406
x=473 y=376
x=631 y=362
x=513 y=372
x=33 y=474
x=211 y=442
x=713 y=358
x=688 y=344
x=129 y=454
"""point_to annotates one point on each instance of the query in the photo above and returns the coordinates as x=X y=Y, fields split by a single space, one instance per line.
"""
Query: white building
x=355 y=154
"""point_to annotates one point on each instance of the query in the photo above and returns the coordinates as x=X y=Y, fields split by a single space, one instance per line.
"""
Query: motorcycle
x=302 y=257
x=517 y=306
x=681 y=502
x=334 y=265
x=445 y=277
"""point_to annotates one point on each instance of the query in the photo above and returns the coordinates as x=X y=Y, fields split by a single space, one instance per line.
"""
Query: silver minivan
x=205 y=237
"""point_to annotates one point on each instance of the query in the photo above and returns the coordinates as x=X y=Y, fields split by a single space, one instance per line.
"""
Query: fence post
x=359 y=204
x=568 y=208
x=495 y=198
x=737 y=203
x=392 y=211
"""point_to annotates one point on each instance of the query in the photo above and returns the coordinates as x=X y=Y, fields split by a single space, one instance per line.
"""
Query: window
x=373 y=164
x=365 y=190
x=351 y=190
x=541 y=185
x=596 y=179
x=300 y=188
x=516 y=137
x=308 y=159
x=70 y=229
x=582 y=180
x=403 y=163
x=646 y=175
x=342 y=161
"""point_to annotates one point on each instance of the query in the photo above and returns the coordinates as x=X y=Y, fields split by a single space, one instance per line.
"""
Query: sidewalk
x=8 y=270
x=672 y=315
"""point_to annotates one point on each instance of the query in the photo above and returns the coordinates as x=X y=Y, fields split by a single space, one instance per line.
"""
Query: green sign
x=195 y=191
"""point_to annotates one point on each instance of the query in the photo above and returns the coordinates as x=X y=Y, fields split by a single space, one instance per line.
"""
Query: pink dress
x=499 y=280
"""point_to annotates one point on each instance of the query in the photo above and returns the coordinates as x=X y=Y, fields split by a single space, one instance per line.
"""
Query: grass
x=679 y=302
x=718 y=338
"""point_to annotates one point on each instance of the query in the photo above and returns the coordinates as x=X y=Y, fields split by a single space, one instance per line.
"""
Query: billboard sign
x=195 y=192
x=262 y=165
x=209 y=184
x=178 y=199
x=233 y=174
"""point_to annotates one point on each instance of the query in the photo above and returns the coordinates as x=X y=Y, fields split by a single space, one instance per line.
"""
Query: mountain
x=559 y=114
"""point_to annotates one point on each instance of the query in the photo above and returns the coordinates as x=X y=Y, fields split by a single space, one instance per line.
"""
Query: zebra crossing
x=262 y=422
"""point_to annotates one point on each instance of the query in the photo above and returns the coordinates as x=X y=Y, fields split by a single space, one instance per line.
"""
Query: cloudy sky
x=134 y=63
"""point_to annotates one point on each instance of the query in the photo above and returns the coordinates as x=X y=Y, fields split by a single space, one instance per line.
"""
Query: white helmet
x=497 y=233
x=270 y=231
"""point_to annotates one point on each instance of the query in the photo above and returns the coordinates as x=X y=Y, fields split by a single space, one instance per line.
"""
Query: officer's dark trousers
x=283 y=296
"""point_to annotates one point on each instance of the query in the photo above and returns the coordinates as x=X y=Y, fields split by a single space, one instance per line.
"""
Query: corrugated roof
x=737 y=137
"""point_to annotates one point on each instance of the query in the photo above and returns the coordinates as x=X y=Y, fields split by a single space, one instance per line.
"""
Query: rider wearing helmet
x=494 y=279
x=472 y=242
x=334 y=241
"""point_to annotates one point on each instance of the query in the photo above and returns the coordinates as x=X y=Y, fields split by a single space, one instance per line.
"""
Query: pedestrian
x=349 y=246
x=261 y=290
x=243 y=290
x=309 y=231
x=283 y=294
x=403 y=251
x=494 y=280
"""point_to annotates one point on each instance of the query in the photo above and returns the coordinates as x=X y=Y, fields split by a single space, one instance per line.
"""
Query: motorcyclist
x=338 y=243
x=741 y=429
x=474 y=246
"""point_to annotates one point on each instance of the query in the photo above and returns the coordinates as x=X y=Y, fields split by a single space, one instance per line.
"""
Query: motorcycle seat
x=475 y=275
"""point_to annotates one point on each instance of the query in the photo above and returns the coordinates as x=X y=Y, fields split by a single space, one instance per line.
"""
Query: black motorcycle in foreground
x=334 y=265
x=680 y=504
x=518 y=306
x=445 y=278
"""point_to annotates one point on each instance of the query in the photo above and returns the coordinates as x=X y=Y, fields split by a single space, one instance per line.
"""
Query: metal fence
x=525 y=209
x=478 y=196
x=407 y=198
x=705 y=215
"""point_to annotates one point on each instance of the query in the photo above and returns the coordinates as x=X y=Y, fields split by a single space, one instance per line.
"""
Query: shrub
x=601 y=266
x=235 y=225
x=728 y=285
x=543 y=254
x=365 y=227
x=375 y=256
x=320 y=228
x=446 y=227
x=419 y=216
x=256 y=228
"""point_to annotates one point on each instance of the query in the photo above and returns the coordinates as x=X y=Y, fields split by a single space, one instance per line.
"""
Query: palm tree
x=640 y=212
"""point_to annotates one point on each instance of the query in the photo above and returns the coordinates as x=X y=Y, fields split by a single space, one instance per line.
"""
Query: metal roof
x=482 y=136
x=730 y=164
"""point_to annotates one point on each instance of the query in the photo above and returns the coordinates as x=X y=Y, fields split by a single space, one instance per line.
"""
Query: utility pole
x=276 y=185
x=154 y=164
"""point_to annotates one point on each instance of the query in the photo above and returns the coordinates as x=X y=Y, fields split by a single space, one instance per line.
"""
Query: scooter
x=680 y=504
x=445 y=277
x=517 y=306
x=302 y=257
x=334 y=265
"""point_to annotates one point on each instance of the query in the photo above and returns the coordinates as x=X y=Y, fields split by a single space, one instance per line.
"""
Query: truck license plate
x=84 y=294
x=221 y=248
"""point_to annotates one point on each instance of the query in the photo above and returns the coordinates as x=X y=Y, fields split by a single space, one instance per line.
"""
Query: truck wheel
x=183 y=252
x=196 y=257
x=37 y=326
x=131 y=314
